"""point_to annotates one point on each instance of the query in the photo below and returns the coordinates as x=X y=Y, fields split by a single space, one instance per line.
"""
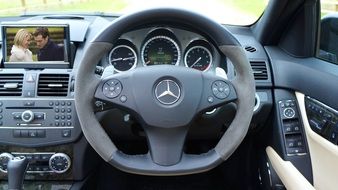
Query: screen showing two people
x=34 y=44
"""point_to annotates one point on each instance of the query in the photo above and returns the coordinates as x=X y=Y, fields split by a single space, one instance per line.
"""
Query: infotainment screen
x=36 y=46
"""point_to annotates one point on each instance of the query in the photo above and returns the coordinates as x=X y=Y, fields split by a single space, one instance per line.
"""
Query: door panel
x=323 y=153
x=317 y=79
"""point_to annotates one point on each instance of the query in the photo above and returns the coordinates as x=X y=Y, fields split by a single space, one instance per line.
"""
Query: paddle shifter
x=16 y=169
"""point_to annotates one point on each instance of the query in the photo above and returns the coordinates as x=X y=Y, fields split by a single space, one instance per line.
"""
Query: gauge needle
x=127 y=58
x=117 y=59
x=196 y=62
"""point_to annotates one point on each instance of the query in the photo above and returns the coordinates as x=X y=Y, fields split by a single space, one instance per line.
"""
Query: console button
x=282 y=105
x=39 y=115
x=27 y=116
x=298 y=150
x=66 y=133
x=289 y=113
x=45 y=157
x=69 y=103
x=16 y=133
x=51 y=103
x=299 y=143
x=32 y=133
x=69 y=117
x=291 y=144
x=63 y=103
x=45 y=168
x=29 y=156
x=57 y=103
x=296 y=128
x=29 y=103
x=36 y=156
x=41 y=133
x=38 y=168
x=59 y=163
x=31 y=168
x=24 y=133
x=28 y=93
x=16 y=115
x=334 y=137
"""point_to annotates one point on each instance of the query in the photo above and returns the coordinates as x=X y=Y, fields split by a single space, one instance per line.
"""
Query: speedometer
x=161 y=50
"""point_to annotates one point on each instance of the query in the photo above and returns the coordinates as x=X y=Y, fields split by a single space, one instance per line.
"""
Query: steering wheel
x=165 y=99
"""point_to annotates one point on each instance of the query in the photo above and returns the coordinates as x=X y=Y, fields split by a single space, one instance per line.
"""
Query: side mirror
x=328 y=48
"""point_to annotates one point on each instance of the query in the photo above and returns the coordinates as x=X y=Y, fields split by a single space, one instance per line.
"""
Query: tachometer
x=123 y=58
x=161 y=50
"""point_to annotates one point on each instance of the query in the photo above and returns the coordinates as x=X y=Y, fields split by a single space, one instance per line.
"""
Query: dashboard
x=38 y=118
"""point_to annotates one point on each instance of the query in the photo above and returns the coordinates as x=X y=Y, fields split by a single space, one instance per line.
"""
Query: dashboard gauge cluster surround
x=161 y=46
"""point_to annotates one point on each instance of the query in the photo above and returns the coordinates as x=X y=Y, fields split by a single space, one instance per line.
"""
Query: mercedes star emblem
x=167 y=92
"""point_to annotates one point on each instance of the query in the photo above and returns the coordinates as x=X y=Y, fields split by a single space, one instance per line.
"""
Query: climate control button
x=59 y=163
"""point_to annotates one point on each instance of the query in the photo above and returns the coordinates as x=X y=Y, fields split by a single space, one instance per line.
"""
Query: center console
x=38 y=120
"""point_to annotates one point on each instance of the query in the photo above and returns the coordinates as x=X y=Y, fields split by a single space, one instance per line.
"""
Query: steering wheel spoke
x=166 y=144
x=114 y=89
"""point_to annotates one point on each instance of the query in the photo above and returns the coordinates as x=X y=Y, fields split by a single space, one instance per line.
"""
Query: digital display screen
x=160 y=58
x=35 y=45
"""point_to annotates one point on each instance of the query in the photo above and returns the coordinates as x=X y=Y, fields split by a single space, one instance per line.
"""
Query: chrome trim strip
x=71 y=127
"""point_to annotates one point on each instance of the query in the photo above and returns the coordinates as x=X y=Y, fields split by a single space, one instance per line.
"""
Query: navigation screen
x=40 y=44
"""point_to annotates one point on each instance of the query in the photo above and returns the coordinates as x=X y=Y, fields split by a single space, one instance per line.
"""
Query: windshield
x=243 y=12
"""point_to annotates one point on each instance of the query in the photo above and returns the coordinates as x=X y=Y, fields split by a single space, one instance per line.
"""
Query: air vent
x=11 y=84
x=53 y=85
x=259 y=70
x=250 y=49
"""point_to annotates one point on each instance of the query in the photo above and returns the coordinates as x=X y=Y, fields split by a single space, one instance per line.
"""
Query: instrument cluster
x=162 y=46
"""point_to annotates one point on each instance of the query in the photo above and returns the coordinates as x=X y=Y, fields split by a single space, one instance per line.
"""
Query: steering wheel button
x=210 y=99
x=112 y=88
x=221 y=95
x=123 y=99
